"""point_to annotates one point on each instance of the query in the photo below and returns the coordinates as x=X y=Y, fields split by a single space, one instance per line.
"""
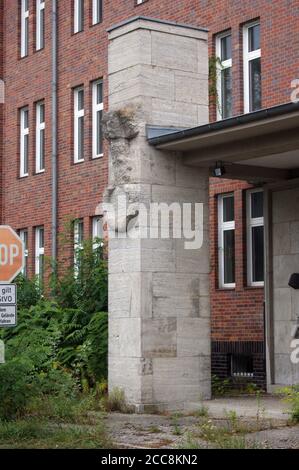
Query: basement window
x=255 y=237
x=252 y=67
x=241 y=365
x=226 y=240
x=224 y=75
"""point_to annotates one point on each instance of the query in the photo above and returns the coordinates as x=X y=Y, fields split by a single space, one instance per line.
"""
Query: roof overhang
x=262 y=146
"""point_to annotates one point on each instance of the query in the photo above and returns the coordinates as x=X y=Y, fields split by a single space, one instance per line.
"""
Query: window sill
x=40 y=172
x=77 y=162
x=97 y=157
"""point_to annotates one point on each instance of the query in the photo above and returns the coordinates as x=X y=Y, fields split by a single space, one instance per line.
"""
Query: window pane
x=80 y=14
x=41 y=113
x=99 y=93
x=81 y=138
x=26 y=123
x=41 y=238
x=257 y=204
x=254 y=38
x=228 y=209
x=26 y=139
x=258 y=254
x=229 y=256
x=80 y=100
x=42 y=149
x=99 y=133
x=255 y=89
x=226 y=90
x=226 y=48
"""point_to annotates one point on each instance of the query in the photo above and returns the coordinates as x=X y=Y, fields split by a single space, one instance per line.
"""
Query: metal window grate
x=241 y=365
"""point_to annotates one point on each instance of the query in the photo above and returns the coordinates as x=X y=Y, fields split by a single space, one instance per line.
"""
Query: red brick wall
x=83 y=58
x=237 y=314
x=1 y=105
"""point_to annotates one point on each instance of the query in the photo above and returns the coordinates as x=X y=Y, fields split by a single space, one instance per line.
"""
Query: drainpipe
x=54 y=135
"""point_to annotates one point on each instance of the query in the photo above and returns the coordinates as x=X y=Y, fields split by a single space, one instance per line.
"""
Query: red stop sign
x=11 y=254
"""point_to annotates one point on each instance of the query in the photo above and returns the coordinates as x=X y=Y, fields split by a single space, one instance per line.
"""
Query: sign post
x=11 y=264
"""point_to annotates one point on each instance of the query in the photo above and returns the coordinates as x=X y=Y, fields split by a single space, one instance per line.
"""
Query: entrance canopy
x=260 y=147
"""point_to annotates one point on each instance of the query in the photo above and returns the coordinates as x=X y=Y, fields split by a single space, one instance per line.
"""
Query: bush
x=16 y=388
x=291 y=395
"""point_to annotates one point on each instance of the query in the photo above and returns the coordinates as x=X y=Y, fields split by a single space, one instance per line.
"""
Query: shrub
x=291 y=396
x=116 y=401
x=16 y=388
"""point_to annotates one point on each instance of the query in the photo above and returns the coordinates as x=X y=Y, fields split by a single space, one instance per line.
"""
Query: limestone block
x=195 y=260
x=189 y=177
x=129 y=50
x=125 y=337
x=159 y=337
x=282 y=304
x=142 y=80
x=193 y=337
x=175 y=378
x=177 y=114
x=204 y=285
x=130 y=295
x=283 y=267
x=203 y=57
x=283 y=336
x=174 y=52
x=124 y=373
x=283 y=369
x=295 y=303
x=204 y=307
x=283 y=210
x=202 y=115
x=294 y=229
x=191 y=88
x=281 y=239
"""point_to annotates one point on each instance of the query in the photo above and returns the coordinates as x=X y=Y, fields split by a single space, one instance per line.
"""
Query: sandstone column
x=159 y=309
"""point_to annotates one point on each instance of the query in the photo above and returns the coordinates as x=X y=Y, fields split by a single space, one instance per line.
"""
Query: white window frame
x=40 y=126
x=23 y=234
x=24 y=131
x=24 y=30
x=39 y=251
x=77 y=115
x=252 y=222
x=97 y=6
x=225 y=64
x=78 y=245
x=97 y=221
x=248 y=57
x=77 y=5
x=40 y=39
x=223 y=227
x=95 y=108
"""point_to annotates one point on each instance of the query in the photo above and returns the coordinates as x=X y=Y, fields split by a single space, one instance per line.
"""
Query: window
x=40 y=138
x=97 y=111
x=78 y=15
x=252 y=68
x=24 y=27
x=40 y=24
x=226 y=240
x=23 y=234
x=224 y=75
x=78 y=124
x=241 y=365
x=96 y=11
x=78 y=244
x=255 y=237
x=24 y=141
x=39 y=253
x=97 y=231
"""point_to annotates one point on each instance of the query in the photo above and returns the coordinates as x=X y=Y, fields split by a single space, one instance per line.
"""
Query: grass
x=33 y=434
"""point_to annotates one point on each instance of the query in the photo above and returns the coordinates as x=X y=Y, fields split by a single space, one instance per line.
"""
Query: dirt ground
x=175 y=431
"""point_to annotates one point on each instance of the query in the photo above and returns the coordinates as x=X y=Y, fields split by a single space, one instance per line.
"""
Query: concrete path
x=269 y=407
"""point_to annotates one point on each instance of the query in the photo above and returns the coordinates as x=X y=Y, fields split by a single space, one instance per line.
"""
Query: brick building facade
x=237 y=313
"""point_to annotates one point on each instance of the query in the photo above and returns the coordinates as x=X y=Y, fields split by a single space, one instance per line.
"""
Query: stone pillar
x=159 y=309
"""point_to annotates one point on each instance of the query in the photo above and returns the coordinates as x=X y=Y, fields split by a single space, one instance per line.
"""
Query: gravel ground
x=166 y=432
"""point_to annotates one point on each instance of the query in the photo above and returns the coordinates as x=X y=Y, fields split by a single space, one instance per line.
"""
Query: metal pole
x=54 y=134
